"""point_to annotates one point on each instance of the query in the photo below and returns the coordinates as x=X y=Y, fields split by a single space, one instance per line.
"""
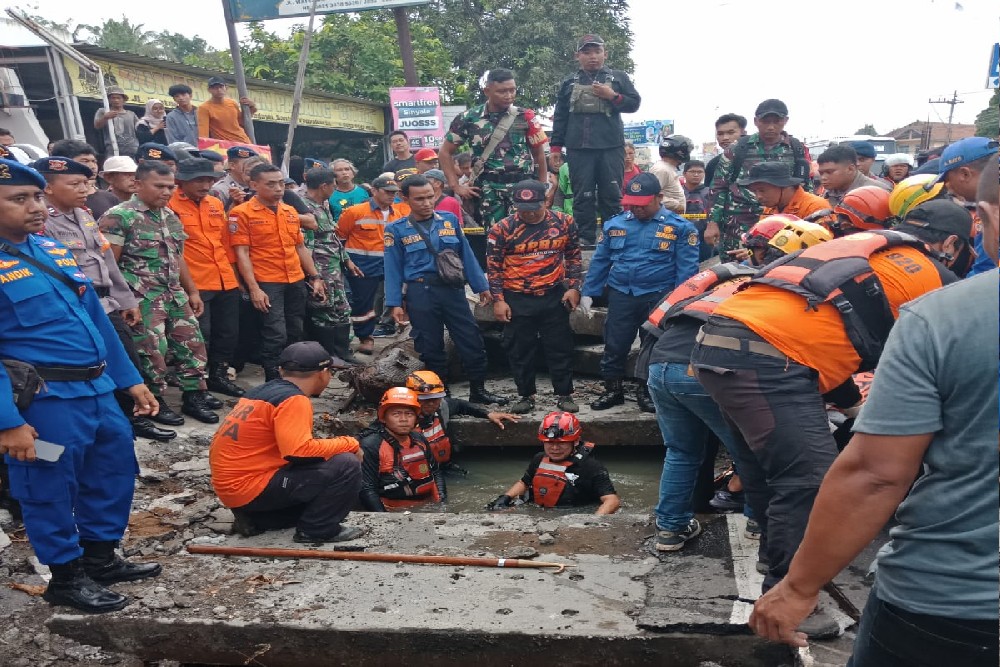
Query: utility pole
x=241 y=77
x=406 y=46
x=951 y=112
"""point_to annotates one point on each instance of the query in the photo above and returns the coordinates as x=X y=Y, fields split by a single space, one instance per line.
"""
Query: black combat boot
x=612 y=396
x=105 y=566
x=142 y=427
x=271 y=373
x=342 y=345
x=325 y=336
x=193 y=405
x=478 y=394
x=645 y=402
x=166 y=415
x=218 y=380
x=211 y=401
x=71 y=586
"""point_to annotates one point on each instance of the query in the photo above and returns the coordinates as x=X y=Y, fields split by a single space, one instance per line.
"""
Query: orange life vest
x=839 y=272
x=698 y=296
x=437 y=439
x=550 y=480
x=405 y=474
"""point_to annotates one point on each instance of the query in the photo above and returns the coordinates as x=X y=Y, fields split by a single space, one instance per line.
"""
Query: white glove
x=584 y=307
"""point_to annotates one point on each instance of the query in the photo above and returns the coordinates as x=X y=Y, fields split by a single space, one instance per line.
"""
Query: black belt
x=70 y=373
x=430 y=279
x=102 y=292
x=505 y=179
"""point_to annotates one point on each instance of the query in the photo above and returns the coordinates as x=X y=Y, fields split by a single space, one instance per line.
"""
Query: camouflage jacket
x=327 y=250
x=512 y=158
x=152 y=243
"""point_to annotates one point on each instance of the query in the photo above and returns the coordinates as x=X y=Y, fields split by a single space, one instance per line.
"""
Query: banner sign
x=647 y=133
x=142 y=83
x=220 y=146
x=993 y=78
x=262 y=10
x=417 y=111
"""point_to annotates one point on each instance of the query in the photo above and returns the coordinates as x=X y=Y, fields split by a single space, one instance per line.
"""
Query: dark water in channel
x=635 y=472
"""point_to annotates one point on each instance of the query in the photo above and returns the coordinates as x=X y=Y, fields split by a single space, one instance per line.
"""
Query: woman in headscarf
x=153 y=124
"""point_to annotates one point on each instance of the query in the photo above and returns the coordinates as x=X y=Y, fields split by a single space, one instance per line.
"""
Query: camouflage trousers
x=731 y=232
x=169 y=328
x=496 y=202
x=335 y=310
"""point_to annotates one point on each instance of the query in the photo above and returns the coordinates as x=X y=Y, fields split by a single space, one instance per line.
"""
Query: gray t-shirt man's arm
x=938 y=375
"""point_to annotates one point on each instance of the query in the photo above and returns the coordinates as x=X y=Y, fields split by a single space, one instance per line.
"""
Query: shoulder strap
x=739 y=154
x=498 y=135
x=53 y=273
x=424 y=235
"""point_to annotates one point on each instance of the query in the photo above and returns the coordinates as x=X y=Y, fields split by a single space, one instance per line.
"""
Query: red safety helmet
x=559 y=427
x=866 y=208
x=765 y=229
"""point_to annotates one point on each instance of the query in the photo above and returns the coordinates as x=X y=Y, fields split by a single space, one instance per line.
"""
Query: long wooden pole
x=406 y=46
x=300 y=81
x=241 y=77
x=376 y=557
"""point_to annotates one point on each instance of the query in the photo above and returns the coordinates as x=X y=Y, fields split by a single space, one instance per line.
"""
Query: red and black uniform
x=397 y=474
x=531 y=267
x=435 y=427
x=578 y=480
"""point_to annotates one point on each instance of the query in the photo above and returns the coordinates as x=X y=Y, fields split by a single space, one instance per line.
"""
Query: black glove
x=502 y=502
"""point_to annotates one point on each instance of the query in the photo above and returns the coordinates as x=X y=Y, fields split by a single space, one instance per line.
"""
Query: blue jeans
x=685 y=413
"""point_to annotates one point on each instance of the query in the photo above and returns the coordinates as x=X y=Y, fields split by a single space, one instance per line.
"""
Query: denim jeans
x=892 y=637
x=685 y=413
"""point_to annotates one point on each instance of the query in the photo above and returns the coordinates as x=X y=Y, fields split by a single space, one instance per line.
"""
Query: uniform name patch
x=617 y=232
x=411 y=239
x=446 y=232
x=667 y=233
x=11 y=276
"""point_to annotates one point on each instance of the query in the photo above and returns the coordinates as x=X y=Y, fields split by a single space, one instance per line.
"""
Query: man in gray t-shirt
x=925 y=446
x=119 y=120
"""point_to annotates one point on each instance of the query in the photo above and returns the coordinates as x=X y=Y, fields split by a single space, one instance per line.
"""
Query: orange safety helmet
x=398 y=396
x=765 y=229
x=559 y=427
x=866 y=208
x=427 y=384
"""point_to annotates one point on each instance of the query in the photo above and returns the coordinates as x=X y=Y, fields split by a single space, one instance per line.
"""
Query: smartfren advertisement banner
x=417 y=111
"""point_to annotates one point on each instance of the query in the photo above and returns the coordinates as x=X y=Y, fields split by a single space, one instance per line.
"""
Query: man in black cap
x=588 y=122
x=736 y=209
x=535 y=270
x=865 y=151
x=234 y=189
x=153 y=151
x=116 y=118
x=946 y=228
x=269 y=468
x=220 y=117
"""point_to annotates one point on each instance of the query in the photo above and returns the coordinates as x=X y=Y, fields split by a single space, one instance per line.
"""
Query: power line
x=951 y=112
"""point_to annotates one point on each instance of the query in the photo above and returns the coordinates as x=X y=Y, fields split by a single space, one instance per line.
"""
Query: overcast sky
x=838 y=64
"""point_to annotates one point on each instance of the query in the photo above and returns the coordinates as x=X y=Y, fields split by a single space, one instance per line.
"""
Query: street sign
x=993 y=78
x=647 y=133
x=263 y=10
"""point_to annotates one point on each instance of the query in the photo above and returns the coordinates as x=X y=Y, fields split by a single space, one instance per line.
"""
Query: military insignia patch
x=635 y=187
x=693 y=238
x=155 y=153
x=58 y=165
x=5 y=171
x=525 y=195
x=389 y=240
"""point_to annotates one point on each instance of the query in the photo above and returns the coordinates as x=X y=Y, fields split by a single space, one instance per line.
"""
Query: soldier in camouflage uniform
x=736 y=209
x=148 y=241
x=519 y=156
x=330 y=319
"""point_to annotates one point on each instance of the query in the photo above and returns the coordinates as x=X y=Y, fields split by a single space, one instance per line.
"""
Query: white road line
x=748 y=580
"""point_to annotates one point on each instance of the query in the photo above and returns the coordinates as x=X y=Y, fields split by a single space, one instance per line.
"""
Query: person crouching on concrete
x=565 y=474
x=398 y=470
x=269 y=468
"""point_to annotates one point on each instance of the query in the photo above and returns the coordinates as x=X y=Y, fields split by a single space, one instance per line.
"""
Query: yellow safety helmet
x=427 y=384
x=799 y=235
x=398 y=396
x=913 y=191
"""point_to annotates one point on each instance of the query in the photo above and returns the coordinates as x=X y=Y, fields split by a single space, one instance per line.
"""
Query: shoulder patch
x=389 y=240
x=693 y=238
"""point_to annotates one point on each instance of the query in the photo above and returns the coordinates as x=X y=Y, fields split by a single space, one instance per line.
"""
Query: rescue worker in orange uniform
x=210 y=260
x=775 y=353
x=399 y=470
x=269 y=468
x=437 y=408
x=778 y=191
x=565 y=473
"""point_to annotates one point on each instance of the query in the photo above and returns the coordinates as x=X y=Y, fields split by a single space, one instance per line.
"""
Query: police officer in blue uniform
x=433 y=301
x=642 y=255
x=76 y=505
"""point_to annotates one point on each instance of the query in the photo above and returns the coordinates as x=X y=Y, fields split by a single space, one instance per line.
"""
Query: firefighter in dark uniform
x=565 y=473
x=76 y=502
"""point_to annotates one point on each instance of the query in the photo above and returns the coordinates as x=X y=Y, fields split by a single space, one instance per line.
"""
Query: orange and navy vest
x=405 y=472
x=437 y=438
x=698 y=296
x=551 y=480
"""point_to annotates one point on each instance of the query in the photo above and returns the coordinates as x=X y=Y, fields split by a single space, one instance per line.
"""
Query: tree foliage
x=988 y=120
x=868 y=129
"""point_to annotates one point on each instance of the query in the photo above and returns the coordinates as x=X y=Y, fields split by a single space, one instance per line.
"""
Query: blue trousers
x=685 y=413
x=626 y=313
x=432 y=308
x=87 y=493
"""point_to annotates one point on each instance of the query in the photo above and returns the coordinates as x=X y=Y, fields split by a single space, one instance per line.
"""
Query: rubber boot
x=342 y=345
x=218 y=380
x=193 y=404
x=612 y=396
x=71 y=586
x=103 y=564
x=478 y=394
x=645 y=401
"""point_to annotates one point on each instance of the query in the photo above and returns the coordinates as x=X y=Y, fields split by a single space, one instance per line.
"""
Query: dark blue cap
x=13 y=172
x=61 y=165
x=212 y=155
x=154 y=151
x=863 y=148
x=313 y=163
x=641 y=190
x=240 y=153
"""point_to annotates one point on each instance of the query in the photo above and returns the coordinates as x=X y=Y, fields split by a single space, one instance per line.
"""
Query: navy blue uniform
x=640 y=261
x=431 y=305
x=87 y=493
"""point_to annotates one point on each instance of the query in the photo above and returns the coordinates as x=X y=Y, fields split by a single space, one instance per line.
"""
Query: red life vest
x=839 y=272
x=405 y=474
x=437 y=439
x=550 y=480
x=698 y=296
